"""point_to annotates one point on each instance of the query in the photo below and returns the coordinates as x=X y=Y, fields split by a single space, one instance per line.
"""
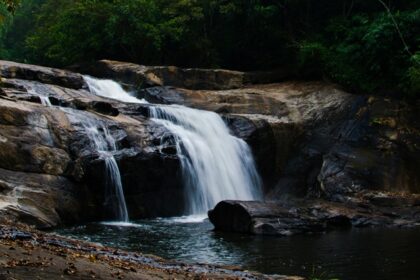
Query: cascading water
x=216 y=165
x=105 y=145
x=110 y=89
x=42 y=93
x=45 y=100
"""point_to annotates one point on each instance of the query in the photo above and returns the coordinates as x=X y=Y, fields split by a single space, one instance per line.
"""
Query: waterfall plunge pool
x=351 y=254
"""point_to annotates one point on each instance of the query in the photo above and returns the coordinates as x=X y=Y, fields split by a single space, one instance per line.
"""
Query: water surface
x=351 y=254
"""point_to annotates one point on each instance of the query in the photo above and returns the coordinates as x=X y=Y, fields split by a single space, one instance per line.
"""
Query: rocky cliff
x=312 y=142
x=51 y=173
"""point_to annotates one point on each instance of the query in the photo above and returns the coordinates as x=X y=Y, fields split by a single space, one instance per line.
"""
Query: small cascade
x=104 y=143
x=216 y=165
x=45 y=100
x=110 y=89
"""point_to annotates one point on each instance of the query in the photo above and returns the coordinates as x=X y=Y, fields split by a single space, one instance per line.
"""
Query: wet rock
x=163 y=95
x=104 y=108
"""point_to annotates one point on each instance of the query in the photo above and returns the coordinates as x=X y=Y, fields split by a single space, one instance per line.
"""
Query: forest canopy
x=366 y=46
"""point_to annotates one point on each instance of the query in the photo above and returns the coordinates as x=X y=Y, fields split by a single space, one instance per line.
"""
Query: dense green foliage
x=357 y=43
x=10 y=5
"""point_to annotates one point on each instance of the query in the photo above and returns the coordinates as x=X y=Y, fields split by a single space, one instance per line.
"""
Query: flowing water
x=41 y=91
x=104 y=143
x=216 y=165
x=110 y=89
x=45 y=100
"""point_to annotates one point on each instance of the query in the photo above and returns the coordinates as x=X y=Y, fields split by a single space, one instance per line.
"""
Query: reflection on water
x=354 y=254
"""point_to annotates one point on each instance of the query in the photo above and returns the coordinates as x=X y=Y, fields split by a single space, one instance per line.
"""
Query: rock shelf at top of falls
x=310 y=140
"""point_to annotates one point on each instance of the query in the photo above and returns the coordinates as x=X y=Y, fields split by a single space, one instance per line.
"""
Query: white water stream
x=110 y=89
x=105 y=145
x=216 y=165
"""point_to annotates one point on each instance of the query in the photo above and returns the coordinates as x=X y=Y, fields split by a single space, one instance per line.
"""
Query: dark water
x=353 y=254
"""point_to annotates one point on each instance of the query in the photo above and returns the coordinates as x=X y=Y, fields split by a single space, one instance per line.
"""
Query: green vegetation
x=366 y=46
x=10 y=5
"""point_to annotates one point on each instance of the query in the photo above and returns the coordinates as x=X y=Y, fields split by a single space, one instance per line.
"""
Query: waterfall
x=104 y=143
x=216 y=165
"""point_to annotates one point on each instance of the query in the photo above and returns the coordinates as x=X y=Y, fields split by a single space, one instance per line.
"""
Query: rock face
x=39 y=199
x=310 y=140
x=50 y=171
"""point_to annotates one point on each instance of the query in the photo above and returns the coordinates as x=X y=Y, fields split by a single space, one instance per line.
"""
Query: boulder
x=308 y=216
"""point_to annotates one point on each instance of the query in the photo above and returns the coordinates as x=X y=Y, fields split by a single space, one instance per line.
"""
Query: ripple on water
x=353 y=254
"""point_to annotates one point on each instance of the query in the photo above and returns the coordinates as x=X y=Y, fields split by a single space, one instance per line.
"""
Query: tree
x=352 y=42
x=11 y=5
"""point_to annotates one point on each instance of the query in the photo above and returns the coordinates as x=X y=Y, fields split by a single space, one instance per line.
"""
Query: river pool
x=350 y=254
